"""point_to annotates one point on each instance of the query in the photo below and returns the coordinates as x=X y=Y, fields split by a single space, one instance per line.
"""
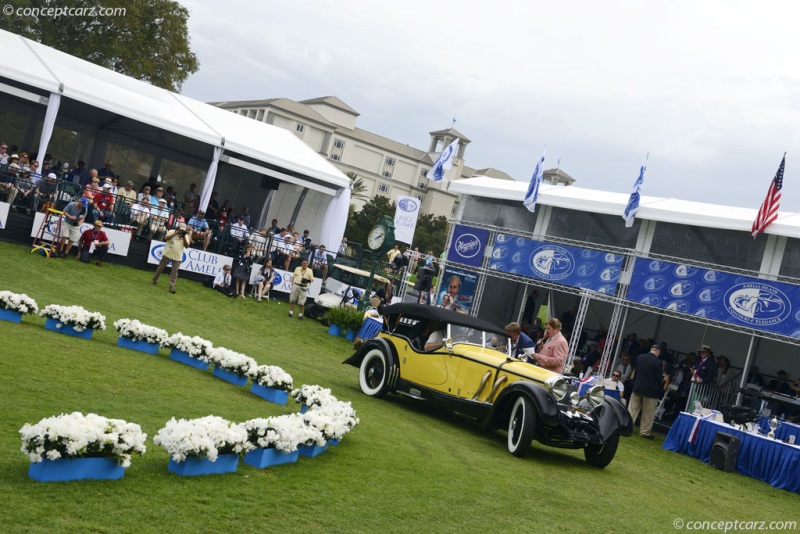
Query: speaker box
x=724 y=452
x=424 y=279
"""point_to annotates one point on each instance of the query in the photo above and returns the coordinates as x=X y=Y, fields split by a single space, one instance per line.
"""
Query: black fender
x=613 y=418
x=545 y=403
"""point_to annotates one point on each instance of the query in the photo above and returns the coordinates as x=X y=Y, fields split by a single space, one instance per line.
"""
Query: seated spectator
x=319 y=262
x=754 y=377
x=239 y=235
x=45 y=193
x=245 y=216
x=106 y=170
x=158 y=220
x=104 y=205
x=199 y=229
x=226 y=212
x=8 y=183
x=297 y=247
x=259 y=241
x=170 y=195
x=289 y=252
x=781 y=384
x=725 y=373
x=279 y=252
x=274 y=228
x=190 y=199
x=140 y=214
x=265 y=279
x=144 y=193
x=176 y=218
x=126 y=196
x=74 y=214
x=222 y=282
x=616 y=377
x=93 y=237
x=591 y=360
x=241 y=271
x=212 y=211
x=159 y=194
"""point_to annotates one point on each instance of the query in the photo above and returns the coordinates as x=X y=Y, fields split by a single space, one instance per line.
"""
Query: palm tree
x=359 y=190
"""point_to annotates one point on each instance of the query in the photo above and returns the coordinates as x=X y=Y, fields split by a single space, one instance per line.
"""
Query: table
x=768 y=460
x=784 y=430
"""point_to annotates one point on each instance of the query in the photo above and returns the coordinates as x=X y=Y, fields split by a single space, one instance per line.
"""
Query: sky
x=709 y=89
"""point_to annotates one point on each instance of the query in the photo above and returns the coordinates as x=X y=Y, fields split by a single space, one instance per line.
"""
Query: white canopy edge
x=661 y=209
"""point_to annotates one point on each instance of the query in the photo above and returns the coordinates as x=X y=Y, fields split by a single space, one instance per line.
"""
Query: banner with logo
x=468 y=245
x=3 y=215
x=457 y=289
x=120 y=241
x=731 y=298
x=563 y=264
x=405 y=219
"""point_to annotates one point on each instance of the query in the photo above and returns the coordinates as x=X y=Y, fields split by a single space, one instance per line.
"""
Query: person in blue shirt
x=199 y=229
x=520 y=341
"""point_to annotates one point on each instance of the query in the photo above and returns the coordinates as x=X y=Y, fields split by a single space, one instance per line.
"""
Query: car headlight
x=595 y=395
x=557 y=386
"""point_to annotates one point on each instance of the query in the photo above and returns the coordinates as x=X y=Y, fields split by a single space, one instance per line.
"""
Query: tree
x=359 y=190
x=149 y=40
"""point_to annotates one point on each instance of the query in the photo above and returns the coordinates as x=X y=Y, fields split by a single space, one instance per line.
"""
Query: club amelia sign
x=467 y=245
x=120 y=241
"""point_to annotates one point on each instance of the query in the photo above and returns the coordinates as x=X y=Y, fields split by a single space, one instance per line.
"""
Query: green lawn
x=405 y=468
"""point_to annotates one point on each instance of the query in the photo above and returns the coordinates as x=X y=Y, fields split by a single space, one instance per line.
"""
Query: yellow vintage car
x=465 y=364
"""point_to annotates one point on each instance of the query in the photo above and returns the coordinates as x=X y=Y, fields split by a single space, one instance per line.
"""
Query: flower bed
x=334 y=419
x=206 y=437
x=82 y=436
x=272 y=376
x=17 y=302
x=312 y=395
x=231 y=361
x=75 y=316
x=195 y=347
x=136 y=331
x=284 y=432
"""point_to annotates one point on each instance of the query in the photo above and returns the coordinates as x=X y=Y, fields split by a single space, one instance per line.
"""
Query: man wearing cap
x=159 y=195
x=199 y=229
x=158 y=219
x=96 y=237
x=106 y=170
x=127 y=195
x=705 y=368
x=140 y=214
x=25 y=188
x=74 y=214
x=301 y=279
x=177 y=240
x=104 y=204
x=45 y=192
x=648 y=373
x=8 y=182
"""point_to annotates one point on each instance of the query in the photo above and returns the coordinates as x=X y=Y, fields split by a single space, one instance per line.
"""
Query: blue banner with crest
x=563 y=264
x=467 y=245
x=736 y=299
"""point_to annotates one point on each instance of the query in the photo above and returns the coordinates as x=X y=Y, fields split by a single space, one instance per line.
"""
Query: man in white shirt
x=239 y=235
x=158 y=219
x=140 y=214
x=222 y=282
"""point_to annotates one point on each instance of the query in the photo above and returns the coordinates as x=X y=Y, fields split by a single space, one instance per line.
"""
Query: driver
x=434 y=336
x=520 y=341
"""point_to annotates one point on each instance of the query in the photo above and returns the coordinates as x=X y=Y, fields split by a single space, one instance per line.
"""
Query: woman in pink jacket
x=551 y=351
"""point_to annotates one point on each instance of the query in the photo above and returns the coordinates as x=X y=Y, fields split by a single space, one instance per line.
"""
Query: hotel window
x=421 y=198
x=423 y=173
x=336 y=157
x=389 y=161
x=338 y=143
x=383 y=188
x=300 y=128
x=387 y=174
x=423 y=185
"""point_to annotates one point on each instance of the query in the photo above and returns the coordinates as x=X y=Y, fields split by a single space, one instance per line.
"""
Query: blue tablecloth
x=768 y=460
x=370 y=328
x=784 y=430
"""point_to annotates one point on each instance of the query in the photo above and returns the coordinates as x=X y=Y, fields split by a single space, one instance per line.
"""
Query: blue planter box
x=350 y=335
x=261 y=458
x=271 y=394
x=194 y=466
x=184 y=358
x=303 y=408
x=65 y=469
x=334 y=330
x=310 y=451
x=333 y=442
x=228 y=376
x=51 y=323
x=141 y=346
x=10 y=316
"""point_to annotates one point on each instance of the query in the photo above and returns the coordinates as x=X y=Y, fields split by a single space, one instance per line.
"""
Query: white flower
x=205 y=437
x=232 y=361
x=272 y=376
x=136 y=331
x=21 y=303
x=82 y=436
x=313 y=395
x=74 y=316
x=196 y=347
x=334 y=419
x=284 y=432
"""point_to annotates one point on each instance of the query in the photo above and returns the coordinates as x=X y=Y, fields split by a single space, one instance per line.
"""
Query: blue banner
x=562 y=264
x=730 y=298
x=468 y=245
x=457 y=290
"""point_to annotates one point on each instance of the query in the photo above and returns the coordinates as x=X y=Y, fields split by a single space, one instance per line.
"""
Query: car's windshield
x=473 y=336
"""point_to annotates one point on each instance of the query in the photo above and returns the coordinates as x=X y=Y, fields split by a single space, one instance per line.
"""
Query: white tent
x=73 y=87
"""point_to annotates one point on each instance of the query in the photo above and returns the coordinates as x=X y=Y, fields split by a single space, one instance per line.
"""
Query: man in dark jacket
x=648 y=371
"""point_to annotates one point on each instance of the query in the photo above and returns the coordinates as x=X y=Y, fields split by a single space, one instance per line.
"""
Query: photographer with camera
x=301 y=279
x=177 y=240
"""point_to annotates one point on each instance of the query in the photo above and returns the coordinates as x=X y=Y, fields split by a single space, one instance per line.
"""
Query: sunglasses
x=616 y=376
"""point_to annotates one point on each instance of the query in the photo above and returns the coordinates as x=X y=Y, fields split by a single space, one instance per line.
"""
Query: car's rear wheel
x=521 y=426
x=601 y=455
x=373 y=375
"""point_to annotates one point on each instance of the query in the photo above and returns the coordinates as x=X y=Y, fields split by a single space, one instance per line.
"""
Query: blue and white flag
x=536 y=181
x=633 y=203
x=444 y=162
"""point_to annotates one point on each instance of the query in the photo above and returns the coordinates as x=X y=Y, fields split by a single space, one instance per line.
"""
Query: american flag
x=768 y=211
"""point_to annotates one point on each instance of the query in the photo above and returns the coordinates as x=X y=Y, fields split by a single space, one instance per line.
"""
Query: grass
x=406 y=468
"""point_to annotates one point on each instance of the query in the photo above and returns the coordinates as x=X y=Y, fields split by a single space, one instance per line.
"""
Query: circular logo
x=757 y=304
x=500 y=253
x=517 y=257
x=408 y=204
x=277 y=279
x=552 y=262
x=710 y=294
x=587 y=254
x=796 y=334
x=678 y=306
x=707 y=311
x=681 y=288
x=657 y=266
x=498 y=266
x=521 y=242
x=685 y=271
x=655 y=283
x=587 y=269
x=712 y=277
x=608 y=289
x=651 y=300
x=157 y=252
x=612 y=259
x=502 y=238
x=584 y=284
x=468 y=245
x=610 y=274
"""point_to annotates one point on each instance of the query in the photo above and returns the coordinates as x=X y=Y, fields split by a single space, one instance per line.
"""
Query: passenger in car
x=431 y=338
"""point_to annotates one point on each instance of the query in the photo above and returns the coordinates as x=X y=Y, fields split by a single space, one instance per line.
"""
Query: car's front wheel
x=601 y=455
x=373 y=375
x=521 y=426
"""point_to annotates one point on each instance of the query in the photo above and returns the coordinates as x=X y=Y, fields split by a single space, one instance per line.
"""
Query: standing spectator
x=96 y=237
x=199 y=229
x=80 y=174
x=343 y=247
x=648 y=371
x=393 y=253
x=265 y=278
x=274 y=228
x=170 y=195
x=106 y=170
x=301 y=278
x=320 y=261
x=222 y=282
x=552 y=349
x=306 y=240
x=177 y=240
x=520 y=341
x=74 y=214
x=190 y=199
x=705 y=369
x=241 y=271
x=245 y=216
x=414 y=259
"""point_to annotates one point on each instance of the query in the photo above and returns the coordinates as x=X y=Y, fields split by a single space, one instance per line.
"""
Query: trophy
x=773 y=424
